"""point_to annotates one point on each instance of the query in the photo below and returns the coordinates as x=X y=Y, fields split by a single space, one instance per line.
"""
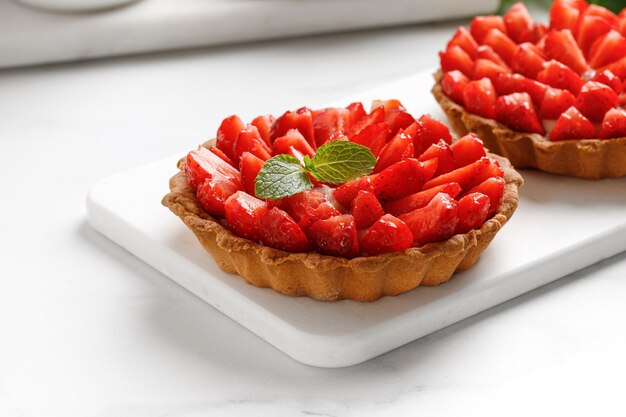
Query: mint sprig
x=333 y=163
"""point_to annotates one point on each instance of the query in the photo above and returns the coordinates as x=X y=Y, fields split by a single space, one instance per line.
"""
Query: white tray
x=561 y=225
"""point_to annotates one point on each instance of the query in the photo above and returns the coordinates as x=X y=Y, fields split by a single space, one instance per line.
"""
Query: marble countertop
x=86 y=329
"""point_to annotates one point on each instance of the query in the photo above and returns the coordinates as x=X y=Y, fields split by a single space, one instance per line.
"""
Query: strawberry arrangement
x=345 y=182
x=565 y=80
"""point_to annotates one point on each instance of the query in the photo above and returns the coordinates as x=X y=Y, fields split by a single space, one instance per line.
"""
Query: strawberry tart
x=549 y=97
x=340 y=203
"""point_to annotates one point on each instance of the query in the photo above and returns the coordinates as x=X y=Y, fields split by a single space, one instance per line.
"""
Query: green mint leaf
x=341 y=161
x=281 y=176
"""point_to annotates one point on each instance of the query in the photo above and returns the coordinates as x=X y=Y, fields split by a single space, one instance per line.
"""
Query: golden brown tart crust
x=329 y=278
x=585 y=158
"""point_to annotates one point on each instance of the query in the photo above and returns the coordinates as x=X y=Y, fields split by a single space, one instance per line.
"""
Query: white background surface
x=86 y=329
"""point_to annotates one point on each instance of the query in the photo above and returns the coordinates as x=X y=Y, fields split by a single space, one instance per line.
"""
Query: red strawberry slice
x=484 y=68
x=466 y=150
x=433 y=223
x=603 y=12
x=480 y=25
x=494 y=189
x=330 y=123
x=375 y=116
x=430 y=167
x=558 y=75
x=501 y=44
x=388 y=234
x=264 y=126
x=595 y=99
x=606 y=77
x=222 y=155
x=346 y=193
x=479 y=97
x=227 y=134
x=250 y=166
x=398 y=118
x=614 y=124
x=590 y=29
x=243 y=214
x=308 y=207
x=453 y=84
x=433 y=130
x=535 y=33
x=528 y=60
x=466 y=176
x=607 y=49
x=373 y=136
x=202 y=164
x=301 y=119
x=445 y=158
x=517 y=21
x=561 y=46
x=249 y=140
x=421 y=199
x=399 y=148
x=516 y=83
x=214 y=191
x=564 y=14
x=357 y=111
x=517 y=111
x=463 y=39
x=280 y=231
x=455 y=58
x=336 y=236
x=472 y=212
x=572 y=125
x=618 y=68
x=399 y=180
x=292 y=139
x=555 y=102
x=487 y=52
x=366 y=209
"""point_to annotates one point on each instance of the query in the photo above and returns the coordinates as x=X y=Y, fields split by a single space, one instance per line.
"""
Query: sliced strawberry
x=453 y=84
x=463 y=39
x=249 y=140
x=280 y=231
x=243 y=214
x=222 y=155
x=399 y=180
x=346 y=193
x=433 y=223
x=373 y=136
x=398 y=148
x=572 y=125
x=472 y=212
x=480 y=25
x=502 y=44
x=534 y=34
x=517 y=21
x=202 y=164
x=308 y=207
x=421 y=199
x=487 y=52
x=516 y=83
x=466 y=176
x=398 y=118
x=250 y=166
x=484 y=68
x=455 y=58
x=479 y=97
x=603 y=12
x=467 y=150
x=301 y=119
x=618 y=68
x=292 y=139
x=366 y=209
x=388 y=234
x=558 y=75
x=595 y=99
x=590 y=29
x=330 y=123
x=517 y=111
x=336 y=236
x=433 y=130
x=214 y=191
x=375 y=116
x=390 y=104
x=430 y=167
x=527 y=60
x=555 y=102
x=561 y=46
x=607 y=49
x=614 y=124
x=494 y=189
x=357 y=111
x=264 y=126
x=564 y=14
x=227 y=134
x=606 y=77
x=445 y=158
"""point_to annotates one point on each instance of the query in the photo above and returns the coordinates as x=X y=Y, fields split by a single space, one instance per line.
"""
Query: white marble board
x=561 y=225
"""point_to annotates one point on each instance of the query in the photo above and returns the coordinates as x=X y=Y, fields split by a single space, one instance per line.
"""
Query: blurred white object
x=29 y=36
x=75 y=5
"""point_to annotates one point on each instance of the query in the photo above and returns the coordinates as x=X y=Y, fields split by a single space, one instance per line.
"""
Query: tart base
x=329 y=278
x=586 y=158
